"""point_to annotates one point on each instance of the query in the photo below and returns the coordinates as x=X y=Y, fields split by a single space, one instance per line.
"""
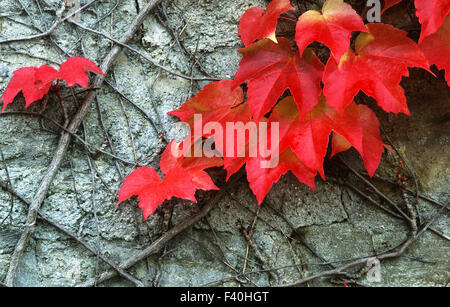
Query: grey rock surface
x=334 y=220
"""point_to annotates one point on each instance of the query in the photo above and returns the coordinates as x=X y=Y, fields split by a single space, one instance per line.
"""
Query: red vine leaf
x=261 y=179
x=437 y=48
x=183 y=183
x=431 y=15
x=381 y=60
x=372 y=145
x=333 y=27
x=183 y=177
x=271 y=69
x=146 y=183
x=175 y=156
x=237 y=153
x=216 y=102
x=309 y=138
x=74 y=71
x=339 y=144
x=256 y=23
x=32 y=81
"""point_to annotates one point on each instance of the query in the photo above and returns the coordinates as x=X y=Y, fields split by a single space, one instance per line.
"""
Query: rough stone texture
x=334 y=220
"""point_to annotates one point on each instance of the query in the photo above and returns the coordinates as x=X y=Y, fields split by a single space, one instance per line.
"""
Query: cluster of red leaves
x=320 y=100
x=35 y=82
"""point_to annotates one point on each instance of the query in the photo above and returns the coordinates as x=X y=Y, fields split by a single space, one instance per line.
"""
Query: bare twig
x=299 y=236
x=422 y=196
x=262 y=260
x=432 y=229
x=8 y=180
x=185 y=52
x=252 y=228
x=409 y=206
x=94 y=209
x=403 y=214
x=222 y=251
x=209 y=251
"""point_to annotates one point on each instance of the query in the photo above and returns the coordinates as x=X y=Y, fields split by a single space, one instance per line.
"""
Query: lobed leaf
x=271 y=69
x=381 y=60
x=333 y=27
x=257 y=24
x=35 y=82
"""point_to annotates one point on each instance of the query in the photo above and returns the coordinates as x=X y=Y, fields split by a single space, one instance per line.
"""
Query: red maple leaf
x=372 y=145
x=333 y=27
x=237 y=151
x=33 y=82
x=175 y=157
x=74 y=71
x=271 y=69
x=261 y=179
x=256 y=23
x=146 y=183
x=216 y=102
x=436 y=48
x=308 y=138
x=381 y=60
x=183 y=177
x=431 y=15
x=264 y=170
